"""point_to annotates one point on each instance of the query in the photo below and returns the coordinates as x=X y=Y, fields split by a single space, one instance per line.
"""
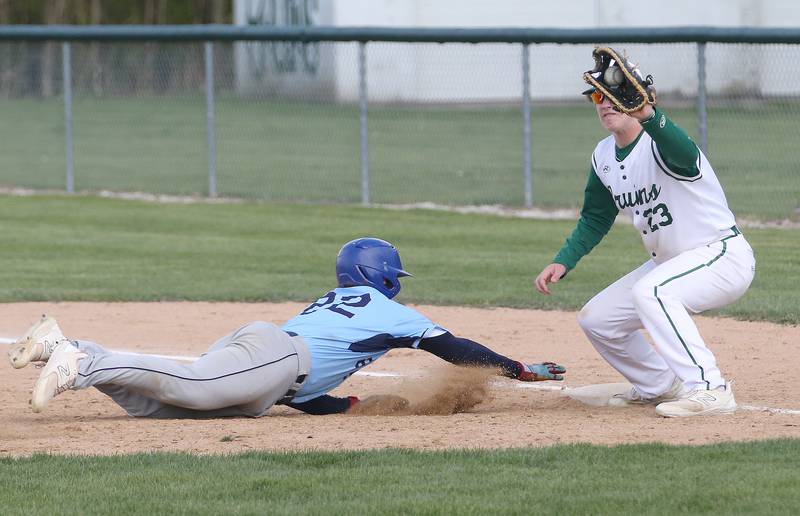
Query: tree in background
x=117 y=12
x=33 y=69
x=53 y=12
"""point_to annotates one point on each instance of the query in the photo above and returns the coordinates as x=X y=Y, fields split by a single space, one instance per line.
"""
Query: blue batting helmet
x=371 y=262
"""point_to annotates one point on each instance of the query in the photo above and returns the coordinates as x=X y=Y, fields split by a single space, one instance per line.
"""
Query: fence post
x=66 y=63
x=526 y=125
x=363 y=105
x=211 y=140
x=702 y=110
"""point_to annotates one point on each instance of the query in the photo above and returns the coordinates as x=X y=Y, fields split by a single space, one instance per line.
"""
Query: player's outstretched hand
x=541 y=372
x=551 y=274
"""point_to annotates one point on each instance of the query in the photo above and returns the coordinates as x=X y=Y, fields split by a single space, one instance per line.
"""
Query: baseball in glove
x=619 y=80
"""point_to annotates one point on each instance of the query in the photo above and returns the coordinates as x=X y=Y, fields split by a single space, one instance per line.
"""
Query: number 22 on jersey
x=329 y=302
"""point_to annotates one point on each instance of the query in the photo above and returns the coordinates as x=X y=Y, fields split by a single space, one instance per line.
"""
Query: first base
x=597 y=395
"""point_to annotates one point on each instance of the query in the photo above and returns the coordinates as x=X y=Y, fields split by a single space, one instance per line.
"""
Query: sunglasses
x=597 y=97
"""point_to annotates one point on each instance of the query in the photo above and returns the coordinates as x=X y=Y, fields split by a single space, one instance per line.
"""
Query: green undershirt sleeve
x=674 y=146
x=597 y=217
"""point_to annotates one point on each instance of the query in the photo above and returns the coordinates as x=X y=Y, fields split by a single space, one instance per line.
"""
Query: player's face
x=612 y=120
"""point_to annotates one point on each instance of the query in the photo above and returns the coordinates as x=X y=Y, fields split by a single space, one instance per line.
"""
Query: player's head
x=610 y=118
x=371 y=262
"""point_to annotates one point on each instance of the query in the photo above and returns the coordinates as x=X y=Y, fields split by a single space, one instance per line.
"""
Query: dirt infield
x=761 y=358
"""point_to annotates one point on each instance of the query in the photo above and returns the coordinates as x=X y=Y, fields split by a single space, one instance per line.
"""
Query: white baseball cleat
x=701 y=403
x=633 y=397
x=37 y=344
x=57 y=376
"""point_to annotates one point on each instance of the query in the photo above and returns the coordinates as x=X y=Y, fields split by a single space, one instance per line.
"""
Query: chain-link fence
x=390 y=121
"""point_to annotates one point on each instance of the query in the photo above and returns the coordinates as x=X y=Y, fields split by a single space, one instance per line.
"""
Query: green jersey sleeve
x=597 y=217
x=673 y=145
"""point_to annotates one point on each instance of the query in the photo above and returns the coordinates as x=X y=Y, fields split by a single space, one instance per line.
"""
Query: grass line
x=750 y=478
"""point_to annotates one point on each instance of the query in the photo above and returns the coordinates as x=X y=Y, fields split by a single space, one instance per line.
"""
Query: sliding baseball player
x=261 y=364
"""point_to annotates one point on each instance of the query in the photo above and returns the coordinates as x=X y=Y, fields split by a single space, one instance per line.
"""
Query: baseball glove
x=620 y=81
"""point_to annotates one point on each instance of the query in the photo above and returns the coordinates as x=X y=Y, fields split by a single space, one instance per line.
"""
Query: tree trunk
x=95 y=64
x=192 y=73
x=5 y=12
x=218 y=11
x=53 y=14
x=147 y=77
x=7 y=65
x=198 y=11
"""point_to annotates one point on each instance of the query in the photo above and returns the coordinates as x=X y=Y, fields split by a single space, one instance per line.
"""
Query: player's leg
x=612 y=325
x=132 y=402
x=252 y=372
x=695 y=281
x=138 y=405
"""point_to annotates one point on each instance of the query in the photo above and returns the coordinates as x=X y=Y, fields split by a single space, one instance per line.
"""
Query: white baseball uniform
x=699 y=260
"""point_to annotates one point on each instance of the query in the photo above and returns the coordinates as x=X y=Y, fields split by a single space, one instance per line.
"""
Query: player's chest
x=632 y=182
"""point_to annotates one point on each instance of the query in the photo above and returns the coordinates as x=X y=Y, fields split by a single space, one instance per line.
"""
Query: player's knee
x=643 y=293
x=591 y=317
x=594 y=322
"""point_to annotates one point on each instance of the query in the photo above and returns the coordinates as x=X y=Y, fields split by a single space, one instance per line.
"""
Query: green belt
x=736 y=231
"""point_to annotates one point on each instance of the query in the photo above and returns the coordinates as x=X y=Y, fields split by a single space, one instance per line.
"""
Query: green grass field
x=756 y=478
x=310 y=152
x=87 y=248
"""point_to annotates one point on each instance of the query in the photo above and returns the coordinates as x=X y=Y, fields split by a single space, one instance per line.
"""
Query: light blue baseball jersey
x=349 y=328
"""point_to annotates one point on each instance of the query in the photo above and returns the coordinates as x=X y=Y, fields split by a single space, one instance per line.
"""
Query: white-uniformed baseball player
x=260 y=364
x=649 y=169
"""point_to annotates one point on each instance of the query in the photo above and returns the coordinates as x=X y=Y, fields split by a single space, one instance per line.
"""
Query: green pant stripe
x=664 y=309
x=682 y=274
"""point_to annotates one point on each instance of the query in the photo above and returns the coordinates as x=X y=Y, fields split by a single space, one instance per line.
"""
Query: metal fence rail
x=212 y=36
x=696 y=34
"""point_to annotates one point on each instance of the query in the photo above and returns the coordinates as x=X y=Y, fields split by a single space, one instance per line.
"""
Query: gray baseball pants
x=242 y=374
